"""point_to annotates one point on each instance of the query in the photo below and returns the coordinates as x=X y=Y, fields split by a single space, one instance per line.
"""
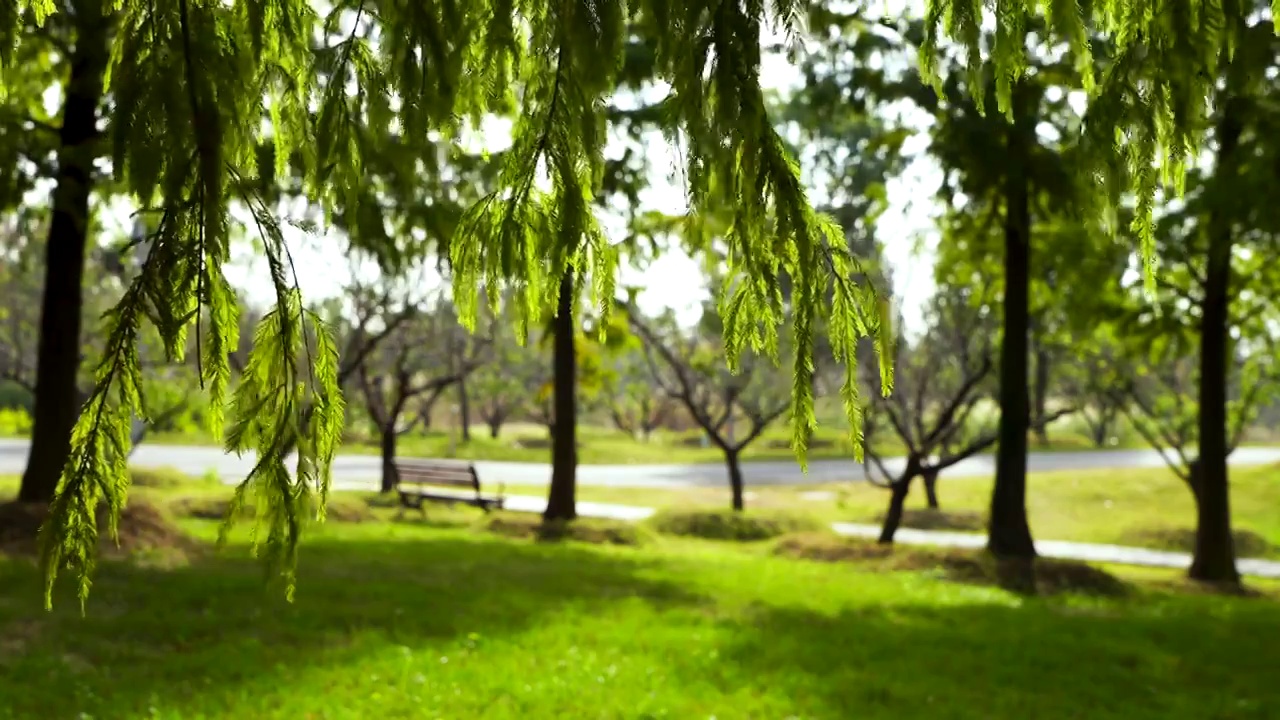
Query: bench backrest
x=427 y=472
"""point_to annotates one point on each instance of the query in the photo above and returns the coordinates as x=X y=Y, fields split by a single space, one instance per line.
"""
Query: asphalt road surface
x=356 y=471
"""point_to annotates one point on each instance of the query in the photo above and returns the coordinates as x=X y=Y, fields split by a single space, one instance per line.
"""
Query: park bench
x=419 y=481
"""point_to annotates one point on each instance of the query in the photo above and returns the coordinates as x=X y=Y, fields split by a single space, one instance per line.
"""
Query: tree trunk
x=495 y=427
x=736 y=485
x=1100 y=431
x=464 y=408
x=1008 y=533
x=1040 y=396
x=1214 y=559
x=389 y=474
x=897 y=503
x=561 y=500
x=58 y=360
x=931 y=488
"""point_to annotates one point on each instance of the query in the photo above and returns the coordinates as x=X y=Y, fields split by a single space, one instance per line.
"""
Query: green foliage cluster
x=1149 y=109
x=14 y=422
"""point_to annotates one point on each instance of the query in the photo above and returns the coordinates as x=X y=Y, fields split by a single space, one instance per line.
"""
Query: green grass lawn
x=1145 y=508
x=406 y=621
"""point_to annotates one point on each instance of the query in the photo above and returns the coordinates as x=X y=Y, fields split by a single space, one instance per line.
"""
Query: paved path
x=366 y=468
x=1085 y=552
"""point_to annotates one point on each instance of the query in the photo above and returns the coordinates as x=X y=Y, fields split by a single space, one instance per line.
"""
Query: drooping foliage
x=1149 y=107
x=197 y=86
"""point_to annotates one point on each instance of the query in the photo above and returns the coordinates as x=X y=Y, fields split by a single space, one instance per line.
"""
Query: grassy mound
x=164 y=478
x=1248 y=543
x=729 y=525
x=1050 y=577
x=587 y=530
x=142 y=528
x=926 y=519
x=338 y=509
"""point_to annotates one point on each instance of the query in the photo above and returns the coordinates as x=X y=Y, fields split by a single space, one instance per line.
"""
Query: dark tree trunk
x=1100 y=436
x=1100 y=431
x=897 y=503
x=464 y=408
x=389 y=474
x=58 y=360
x=1214 y=559
x=561 y=500
x=1040 y=397
x=495 y=427
x=930 y=478
x=736 y=485
x=1008 y=533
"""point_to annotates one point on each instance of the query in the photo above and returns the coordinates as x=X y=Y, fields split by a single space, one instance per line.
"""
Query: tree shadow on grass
x=197 y=635
x=1042 y=659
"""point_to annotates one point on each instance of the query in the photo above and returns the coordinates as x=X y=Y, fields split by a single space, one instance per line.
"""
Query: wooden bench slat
x=426 y=477
x=434 y=477
x=465 y=469
x=421 y=472
x=441 y=466
x=434 y=471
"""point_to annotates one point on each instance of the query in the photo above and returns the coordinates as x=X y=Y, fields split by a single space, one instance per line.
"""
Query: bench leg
x=416 y=504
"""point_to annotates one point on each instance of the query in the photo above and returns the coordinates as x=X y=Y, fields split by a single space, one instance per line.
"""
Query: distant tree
x=690 y=368
x=1090 y=386
x=940 y=379
x=1154 y=384
x=636 y=405
x=416 y=361
x=505 y=387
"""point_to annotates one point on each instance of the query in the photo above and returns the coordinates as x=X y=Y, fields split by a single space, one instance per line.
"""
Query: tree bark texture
x=736 y=484
x=897 y=504
x=1008 y=533
x=1214 y=558
x=561 y=499
x=58 y=352
x=388 y=443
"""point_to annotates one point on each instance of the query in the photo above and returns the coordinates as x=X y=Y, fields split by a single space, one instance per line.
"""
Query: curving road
x=354 y=471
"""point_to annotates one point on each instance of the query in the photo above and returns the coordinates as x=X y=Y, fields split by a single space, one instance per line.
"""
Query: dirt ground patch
x=1049 y=577
x=142 y=527
x=1247 y=542
x=926 y=519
